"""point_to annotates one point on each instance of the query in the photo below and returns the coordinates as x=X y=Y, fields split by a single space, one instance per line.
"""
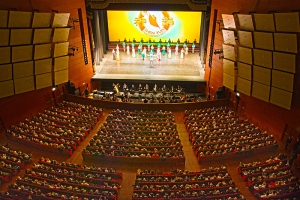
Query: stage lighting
x=237 y=95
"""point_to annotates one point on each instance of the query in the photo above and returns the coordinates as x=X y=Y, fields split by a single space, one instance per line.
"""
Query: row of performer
x=184 y=51
x=151 y=47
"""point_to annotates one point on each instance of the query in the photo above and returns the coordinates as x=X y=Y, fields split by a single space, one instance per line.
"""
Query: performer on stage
x=151 y=58
x=152 y=49
x=186 y=50
x=118 y=54
x=128 y=49
x=168 y=46
x=158 y=54
x=163 y=50
x=184 y=45
x=182 y=53
x=170 y=53
x=139 y=49
x=133 y=52
x=158 y=45
x=117 y=47
x=114 y=54
x=132 y=44
x=193 y=48
x=124 y=45
x=144 y=52
x=149 y=46
x=176 y=50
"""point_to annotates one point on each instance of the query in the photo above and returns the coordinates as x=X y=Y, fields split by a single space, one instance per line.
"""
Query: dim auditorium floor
x=129 y=171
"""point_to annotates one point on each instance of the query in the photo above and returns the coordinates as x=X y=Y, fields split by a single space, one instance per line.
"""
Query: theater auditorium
x=160 y=99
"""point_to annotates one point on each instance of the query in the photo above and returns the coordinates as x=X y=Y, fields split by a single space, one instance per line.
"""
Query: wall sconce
x=54 y=88
x=219 y=52
x=220 y=23
x=73 y=50
x=73 y=21
x=237 y=95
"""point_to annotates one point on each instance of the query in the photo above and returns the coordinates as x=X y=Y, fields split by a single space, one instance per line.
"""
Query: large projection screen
x=154 y=25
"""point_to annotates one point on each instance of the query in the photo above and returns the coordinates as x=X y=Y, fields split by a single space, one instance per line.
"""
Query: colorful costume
x=163 y=50
x=193 y=48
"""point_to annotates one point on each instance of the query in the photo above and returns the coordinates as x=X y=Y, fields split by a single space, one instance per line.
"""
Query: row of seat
x=11 y=163
x=272 y=179
x=218 y=133
x=211 y=183
x=137 y=135
x=51 y=179
x=60 y=129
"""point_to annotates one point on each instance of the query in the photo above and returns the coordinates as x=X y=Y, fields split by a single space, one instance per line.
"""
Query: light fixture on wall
x=73 y=49
x=221 y=24
x=54 y=87
x=219 y=52
x=73 y=21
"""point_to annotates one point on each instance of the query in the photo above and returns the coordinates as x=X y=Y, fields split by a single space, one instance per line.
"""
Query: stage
x=175 y=71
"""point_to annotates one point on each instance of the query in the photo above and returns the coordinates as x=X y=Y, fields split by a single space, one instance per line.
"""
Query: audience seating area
x=217 y=133
x=137 y=137
x=272 y=179
x=212 y=183
x=11 y=163
x=50 y=179
x=59 y=130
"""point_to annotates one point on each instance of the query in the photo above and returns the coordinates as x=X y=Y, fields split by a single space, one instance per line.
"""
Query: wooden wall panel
x=283 y=80
x=274 y=118
x=228 y=67
x=262 y=58
x=244 y=71
x=284 y=62
x=38 y=100
x=262 y=75
x=244 y=86
x=5 y=72
x=261 y=91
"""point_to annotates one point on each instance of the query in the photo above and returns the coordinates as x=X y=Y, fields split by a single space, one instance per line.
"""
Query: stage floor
x=175 y=69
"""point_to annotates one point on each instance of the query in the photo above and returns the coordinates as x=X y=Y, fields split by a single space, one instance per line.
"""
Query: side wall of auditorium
x=268 y=116
x=15 y=108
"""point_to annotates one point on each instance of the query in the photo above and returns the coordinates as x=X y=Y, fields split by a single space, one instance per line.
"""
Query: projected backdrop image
x=153 y=25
